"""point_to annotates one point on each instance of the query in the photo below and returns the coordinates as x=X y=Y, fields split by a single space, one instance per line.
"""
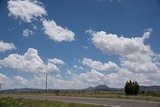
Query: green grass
x=12 y=102
x=146 y=95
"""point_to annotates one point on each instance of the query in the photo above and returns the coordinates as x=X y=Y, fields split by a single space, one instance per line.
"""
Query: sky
x=79 y=43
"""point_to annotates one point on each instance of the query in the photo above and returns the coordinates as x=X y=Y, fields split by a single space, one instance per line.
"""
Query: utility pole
x=0 y=86
x=46 y=81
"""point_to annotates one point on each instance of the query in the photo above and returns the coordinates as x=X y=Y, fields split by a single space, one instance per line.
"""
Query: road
x=97 y=101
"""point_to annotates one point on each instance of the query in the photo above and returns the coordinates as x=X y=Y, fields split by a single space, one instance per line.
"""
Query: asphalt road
x=97 y=101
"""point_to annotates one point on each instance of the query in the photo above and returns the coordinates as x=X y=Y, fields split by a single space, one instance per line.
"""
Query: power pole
x=46 y=82
x=0 y=86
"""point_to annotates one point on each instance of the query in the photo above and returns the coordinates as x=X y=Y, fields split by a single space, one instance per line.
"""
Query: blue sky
x=79 y=43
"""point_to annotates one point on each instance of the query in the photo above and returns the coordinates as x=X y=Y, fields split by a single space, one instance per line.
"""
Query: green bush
x=131 y=88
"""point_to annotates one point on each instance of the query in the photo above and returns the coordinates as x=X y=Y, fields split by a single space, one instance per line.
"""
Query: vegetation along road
x=96 y=101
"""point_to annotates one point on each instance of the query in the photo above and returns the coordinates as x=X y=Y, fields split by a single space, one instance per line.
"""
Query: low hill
x=101 y=88
x=106 y=88
x=150 y=88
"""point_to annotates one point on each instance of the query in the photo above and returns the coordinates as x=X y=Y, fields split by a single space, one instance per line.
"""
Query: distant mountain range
x=106 y=88
x=96 y=88
x=150 y=88
x=101 y=88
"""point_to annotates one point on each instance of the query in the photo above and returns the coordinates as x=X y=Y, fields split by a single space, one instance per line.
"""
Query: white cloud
x=78 y=67
x=57 y=33
x=58 y=82
x=21 y=80
x=29 y=10
x=138 y=63
x=97 y=65
x=112 y=44
x=139 y=66
x=5 y=81
x=85 y=47
x=6 y=46
x=137 y=59
x=26 y=10
x=83 y=80
x=2 y=78
x=147 y=34
x=91 y=78
x=122 y=76
x=27 y=32
x=30 y=62
x=56 y=61
x=135 y=55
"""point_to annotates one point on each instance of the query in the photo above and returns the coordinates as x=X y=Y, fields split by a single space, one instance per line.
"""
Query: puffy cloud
x=30 y=62
x=135 y=55
x=122 y=76
x=57 y=33
x=147 y=34
x=138 y=62
x=5 y=81
x=83 y=80
x=29 y=10
x=139 y=66
x=6 y=46
x=91 y=78
x=97 y=65
x=78 y=67
x=56 y=61
x=26 y=10
x=76 y=81
x=21 y=80
x=112 y=44
x=2 y=78
x=27 y=32
x=85 y=47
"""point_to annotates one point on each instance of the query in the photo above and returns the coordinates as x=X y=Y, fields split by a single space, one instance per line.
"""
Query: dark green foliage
x=57 y=92
x=131 y=88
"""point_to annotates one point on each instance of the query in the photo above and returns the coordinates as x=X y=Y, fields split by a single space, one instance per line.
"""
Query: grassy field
x=11 y=102
x=147 y=95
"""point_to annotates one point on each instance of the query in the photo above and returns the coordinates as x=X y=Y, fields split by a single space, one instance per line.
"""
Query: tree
x=131 y=88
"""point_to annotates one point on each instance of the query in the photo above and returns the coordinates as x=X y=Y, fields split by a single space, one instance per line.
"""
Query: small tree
x=131 y=88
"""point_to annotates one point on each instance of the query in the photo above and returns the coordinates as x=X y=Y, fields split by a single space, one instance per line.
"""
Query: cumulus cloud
x=137 y=61
x=140 y=63
x=27 y=10
x=135 y=55
x=30 y=62
x=122 y=76
x=83 y=80
x=5 y=81
x=56 y=61
x=27 y=32
x=78 y=67
x=2 y=78
x=6 y=46
x=97 y=65
x=112 y=44
x=76 y=81
x=91 y=78
x=21 y=80
x=56 y=32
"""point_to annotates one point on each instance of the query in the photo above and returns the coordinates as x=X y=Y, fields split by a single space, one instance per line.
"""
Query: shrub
x=131 y=88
